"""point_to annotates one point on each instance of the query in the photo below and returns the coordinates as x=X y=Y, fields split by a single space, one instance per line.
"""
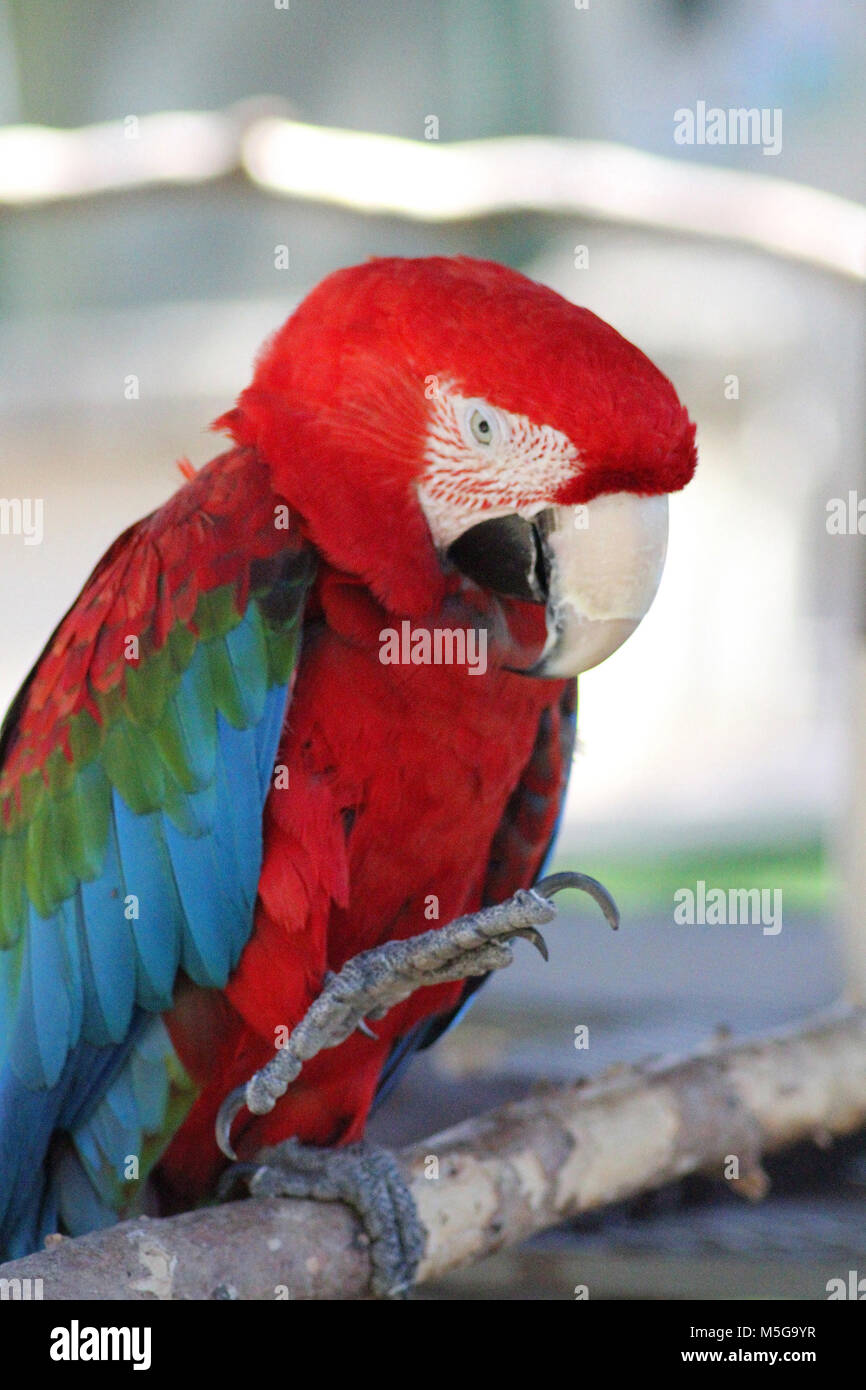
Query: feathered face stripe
x=484 y=460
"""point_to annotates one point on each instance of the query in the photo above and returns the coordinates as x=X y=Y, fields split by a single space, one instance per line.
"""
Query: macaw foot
x=367 y=1179
x=374 y=981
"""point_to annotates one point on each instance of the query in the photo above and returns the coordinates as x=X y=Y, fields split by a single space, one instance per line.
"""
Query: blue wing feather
x=81 y=1046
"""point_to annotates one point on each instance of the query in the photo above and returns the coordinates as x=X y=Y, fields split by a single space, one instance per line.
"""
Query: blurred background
x=143 y=259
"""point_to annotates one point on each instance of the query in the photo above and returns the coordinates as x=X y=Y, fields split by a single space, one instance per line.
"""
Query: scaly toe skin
x=374 y=981
x=367 y=1179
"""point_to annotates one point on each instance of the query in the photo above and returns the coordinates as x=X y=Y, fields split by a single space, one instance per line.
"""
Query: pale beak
x=596 y=568
x=605 y=563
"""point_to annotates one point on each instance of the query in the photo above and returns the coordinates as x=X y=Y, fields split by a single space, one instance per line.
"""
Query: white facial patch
x=484 y=462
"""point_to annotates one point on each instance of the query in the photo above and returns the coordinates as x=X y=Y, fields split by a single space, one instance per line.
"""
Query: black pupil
x=484 y=426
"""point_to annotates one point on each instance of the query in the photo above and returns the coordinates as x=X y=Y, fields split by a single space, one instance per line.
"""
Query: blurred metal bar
x=432 y=182
x=438 y=183
x=42 y=165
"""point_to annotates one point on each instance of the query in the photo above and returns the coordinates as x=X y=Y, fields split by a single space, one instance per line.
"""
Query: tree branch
x=495 y=1180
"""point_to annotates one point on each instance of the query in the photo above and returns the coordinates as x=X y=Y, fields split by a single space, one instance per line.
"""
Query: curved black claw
x=228 y=1180
x=226 y=1116
x=534 y=935
x=554 y=883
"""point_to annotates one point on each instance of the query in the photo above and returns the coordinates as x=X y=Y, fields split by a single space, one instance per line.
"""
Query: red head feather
x=338 y=409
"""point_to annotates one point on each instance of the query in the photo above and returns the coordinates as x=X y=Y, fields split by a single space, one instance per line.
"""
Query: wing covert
x=134 y=766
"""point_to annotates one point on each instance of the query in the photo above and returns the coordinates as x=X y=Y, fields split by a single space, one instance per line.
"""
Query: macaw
x=301 y=718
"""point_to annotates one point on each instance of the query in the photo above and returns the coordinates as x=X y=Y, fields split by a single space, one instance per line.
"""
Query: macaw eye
x=483 y=425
